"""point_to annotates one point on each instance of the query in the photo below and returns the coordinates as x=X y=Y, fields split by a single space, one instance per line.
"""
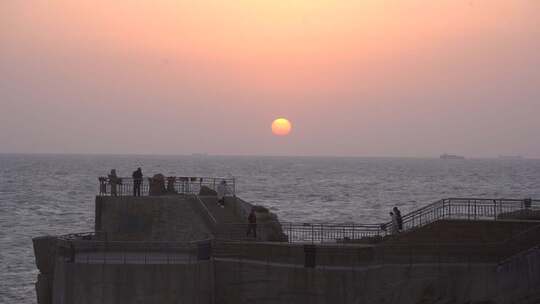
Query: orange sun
x=281 y=126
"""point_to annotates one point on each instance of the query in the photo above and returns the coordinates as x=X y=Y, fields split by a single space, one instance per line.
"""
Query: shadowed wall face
x=161 y=219
x=396 y=78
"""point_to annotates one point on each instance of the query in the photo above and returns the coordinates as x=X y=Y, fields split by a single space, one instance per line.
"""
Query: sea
x=45 y=194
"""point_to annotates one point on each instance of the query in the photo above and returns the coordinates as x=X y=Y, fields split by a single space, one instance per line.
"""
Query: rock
x=157 y=185
x=261 y=209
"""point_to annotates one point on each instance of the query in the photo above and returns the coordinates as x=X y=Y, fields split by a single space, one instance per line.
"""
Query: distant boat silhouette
x=451 y=156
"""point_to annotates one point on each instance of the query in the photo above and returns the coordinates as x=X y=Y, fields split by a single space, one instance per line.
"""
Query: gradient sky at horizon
x=356 y=78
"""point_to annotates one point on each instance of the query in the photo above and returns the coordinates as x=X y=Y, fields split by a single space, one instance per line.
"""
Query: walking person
x=252 y=223
x=399 y=219
x=113 y=181
x=221 y=192
x=394 y=228
x=137 y=181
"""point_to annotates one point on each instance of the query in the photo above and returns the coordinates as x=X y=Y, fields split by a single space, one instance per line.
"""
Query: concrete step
x=222 y=215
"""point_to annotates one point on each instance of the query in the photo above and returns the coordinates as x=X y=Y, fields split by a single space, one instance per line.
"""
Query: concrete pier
x=183 y=248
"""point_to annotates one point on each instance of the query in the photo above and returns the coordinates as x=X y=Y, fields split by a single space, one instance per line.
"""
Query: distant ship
x=451 y=156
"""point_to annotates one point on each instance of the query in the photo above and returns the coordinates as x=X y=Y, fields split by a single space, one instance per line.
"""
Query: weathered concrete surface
x=467 y=230
x=525 y=214
x=518 y=279
x=233 y=218
x=158 y=218
x=133 y=283
x=222 y=215
x=273 y=272
x=247 y=282
x=45 y=253
x=272 y=230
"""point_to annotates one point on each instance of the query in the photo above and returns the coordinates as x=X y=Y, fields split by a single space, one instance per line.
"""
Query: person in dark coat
x=137 y=181
x=398 y=218
x=252 y=223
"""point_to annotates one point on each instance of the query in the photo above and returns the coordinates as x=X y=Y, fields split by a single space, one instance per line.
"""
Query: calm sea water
x=54 y=194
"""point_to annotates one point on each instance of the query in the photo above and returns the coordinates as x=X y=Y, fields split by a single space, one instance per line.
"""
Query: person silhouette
x=137 y=181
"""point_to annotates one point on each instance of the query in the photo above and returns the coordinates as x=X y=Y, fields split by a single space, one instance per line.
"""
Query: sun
x=281 y=126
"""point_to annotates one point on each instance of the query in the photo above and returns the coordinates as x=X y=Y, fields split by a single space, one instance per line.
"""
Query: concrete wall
x=464 y=230
x=128 y=284
x=518 y=279
x=277 y=273
x=273 y=272
x=159 y=218
x=245 y=280
x=249 y=282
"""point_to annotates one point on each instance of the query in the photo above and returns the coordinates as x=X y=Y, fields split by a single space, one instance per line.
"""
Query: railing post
x=290 y=233
x=494 y=209
x=469 y=210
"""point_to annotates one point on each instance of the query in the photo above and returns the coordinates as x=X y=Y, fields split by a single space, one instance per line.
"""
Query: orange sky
x=400 y=77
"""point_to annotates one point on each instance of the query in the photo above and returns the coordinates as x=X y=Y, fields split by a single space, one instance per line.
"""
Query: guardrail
x=451 y=208
x=127 y=186
x=94 y=248
x=320 y=233
x=400 y=252
x=466 y=208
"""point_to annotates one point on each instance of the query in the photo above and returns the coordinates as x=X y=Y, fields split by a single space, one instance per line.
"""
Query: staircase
x=228 y=225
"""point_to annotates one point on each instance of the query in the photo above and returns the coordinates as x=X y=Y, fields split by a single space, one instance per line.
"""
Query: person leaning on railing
x=137 y=181
x=102 y=185
x=114 y=180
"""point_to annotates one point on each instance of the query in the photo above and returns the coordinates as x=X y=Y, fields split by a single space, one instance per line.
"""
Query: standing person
x=102 y=185
x=394 y=228
x=399 y=219
x=137 y=181
x=252 y=223
x=221 y=191
x=113 y=181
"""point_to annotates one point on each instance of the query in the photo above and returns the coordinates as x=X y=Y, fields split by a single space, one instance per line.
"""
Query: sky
x=405 y=78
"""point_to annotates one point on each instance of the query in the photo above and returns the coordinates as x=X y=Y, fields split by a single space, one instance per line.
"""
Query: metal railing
x=402 y=252
x=126 y=186
x=465 y=209
x=451 y=208
x=320 y=233
x=94 y=248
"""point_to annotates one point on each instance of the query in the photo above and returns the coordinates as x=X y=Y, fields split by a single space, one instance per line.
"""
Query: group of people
x=222 y=190
x=397 y=221
x=115 y=181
